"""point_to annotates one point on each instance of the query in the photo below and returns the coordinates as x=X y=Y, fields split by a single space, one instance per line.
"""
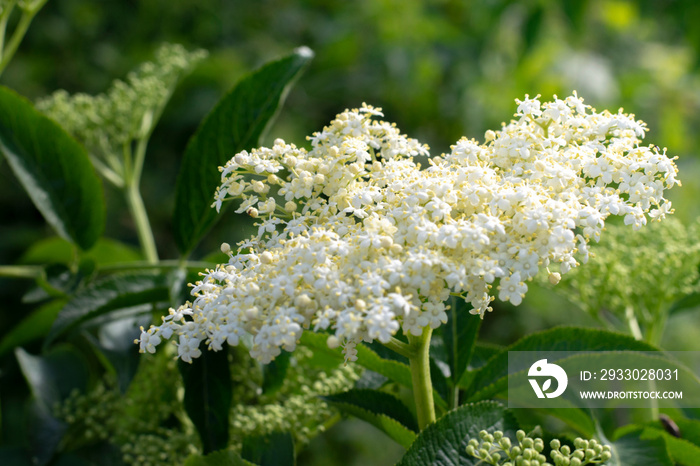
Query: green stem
x=400 y=347
x=633 y=324
x=109 y=174
x=19 y=32
x=143 y=227
x=4 y=16
x=168 y=264
x=132 y=178
x=420 y=377
x=21 y=271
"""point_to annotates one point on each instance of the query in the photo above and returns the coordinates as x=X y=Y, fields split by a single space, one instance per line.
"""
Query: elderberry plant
x=356 y=246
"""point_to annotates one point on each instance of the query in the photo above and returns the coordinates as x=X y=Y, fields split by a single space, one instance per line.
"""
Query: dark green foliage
x=236 y=123
x=208 y=392
x=54 y=170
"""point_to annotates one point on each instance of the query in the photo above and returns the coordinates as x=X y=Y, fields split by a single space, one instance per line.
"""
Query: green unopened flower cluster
x=297 y=406
x=586 y=452
x=150 y=427
x=89 y=416
x=497 y=449
x=108 y=123
x=653 y=268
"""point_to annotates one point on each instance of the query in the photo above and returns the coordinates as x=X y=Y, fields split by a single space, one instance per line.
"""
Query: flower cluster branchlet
x=356 y=238
x=497 y=449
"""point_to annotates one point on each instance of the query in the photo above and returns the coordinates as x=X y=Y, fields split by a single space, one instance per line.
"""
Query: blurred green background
x=439 y=69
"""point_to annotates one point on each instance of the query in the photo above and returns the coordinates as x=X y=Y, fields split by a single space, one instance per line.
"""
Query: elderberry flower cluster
x=356 y=238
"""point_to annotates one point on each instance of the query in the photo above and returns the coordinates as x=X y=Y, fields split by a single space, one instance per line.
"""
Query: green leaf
x=274 y=449
x=681 y=450
x=376 y=402
x=217 y=458
x=45 y=433
x=492 y=378
x=237 y=123
x=690 y=430
x=112 y=293
x=459 y=336
x=390 y=426
x=116 y=348
x=33 y=327
x=208 y=393
x=393 y=370
x=631 y=450
x=275 y=372
x=53 y=375
x=57 y=250
x=54 y=170
x=58 y=281
x=445 y=442
x=438 y=379
x=686 y=303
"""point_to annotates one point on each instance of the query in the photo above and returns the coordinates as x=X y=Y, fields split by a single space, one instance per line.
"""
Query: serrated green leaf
x=376 y=402
x=682 y=451
x=459 y=336
x=112 y=293
x=274 y=449
x=54 y=170
x=217 y=458
x=631 y=450
x=690 y=430
x=393 y=370
x=445 y=442
x=33 y=327
x=390 y=426
x=208 y=392
x=236 y=123
x=492 y=378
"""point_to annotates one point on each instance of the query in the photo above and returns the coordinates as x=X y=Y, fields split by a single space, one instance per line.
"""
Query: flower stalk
x=420 y=377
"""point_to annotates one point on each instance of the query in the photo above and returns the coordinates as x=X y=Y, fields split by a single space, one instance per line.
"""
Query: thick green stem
x=420 y=376
x=132 y=179
x=143 y=227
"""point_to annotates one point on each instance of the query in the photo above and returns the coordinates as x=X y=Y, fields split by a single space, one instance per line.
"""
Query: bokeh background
x=440 y=69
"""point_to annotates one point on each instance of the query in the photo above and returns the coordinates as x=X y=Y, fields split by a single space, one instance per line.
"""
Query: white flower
x=512 y=289
x=188 y=348
x=148 y=341
x=369 y=244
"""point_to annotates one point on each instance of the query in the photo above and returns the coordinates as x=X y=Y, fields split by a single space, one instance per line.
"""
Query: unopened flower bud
x=554 y=278
x=333 y=342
